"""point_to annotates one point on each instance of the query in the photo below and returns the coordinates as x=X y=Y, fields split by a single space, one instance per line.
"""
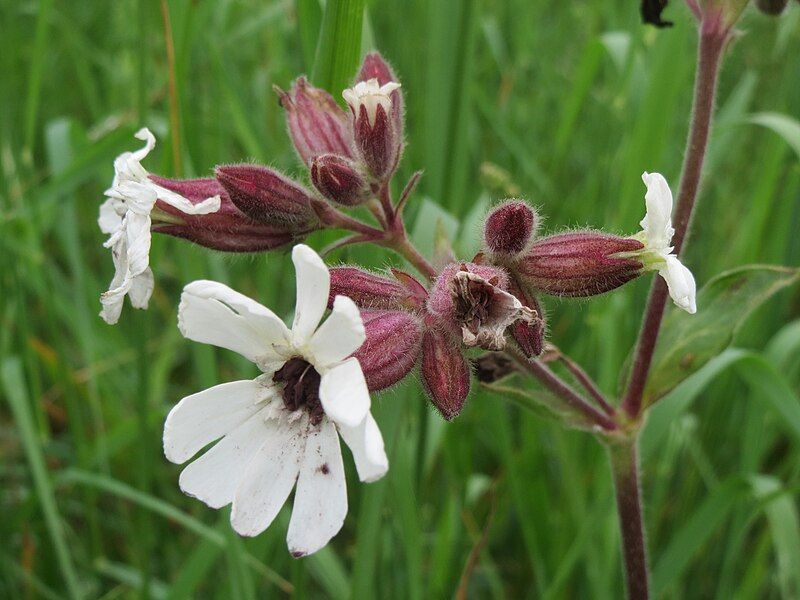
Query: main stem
x=625 y=471
x=713 y=38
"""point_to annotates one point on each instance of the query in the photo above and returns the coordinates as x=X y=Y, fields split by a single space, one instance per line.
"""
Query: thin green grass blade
x=339 y=45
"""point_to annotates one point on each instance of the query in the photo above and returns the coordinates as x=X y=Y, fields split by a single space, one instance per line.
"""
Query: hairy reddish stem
x=713 y=38
x=625 y=471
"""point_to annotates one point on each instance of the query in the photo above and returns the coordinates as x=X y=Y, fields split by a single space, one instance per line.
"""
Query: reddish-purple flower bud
x=580 y=263
x=317 y=124
x=377 y=138
x=266 y=196
x=228 y=229
x=339 y=180
x=375 y=67
x=366 y=289
x=528 y=334
x=509 y=227
x=391 y=349
x=445 y=373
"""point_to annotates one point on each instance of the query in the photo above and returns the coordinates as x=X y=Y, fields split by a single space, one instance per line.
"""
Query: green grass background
x=569 y=102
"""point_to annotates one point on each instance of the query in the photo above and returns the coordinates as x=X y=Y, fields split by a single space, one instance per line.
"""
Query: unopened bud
x=580 y=263
x=317 y=124
x=227 y=229
x=445 y=373
x=374 y=126
x=772 y=7
x=509 y=227
x=367 y=290
x=529 y=335
x=391 y=349
x=266 y=196
x=339 y=180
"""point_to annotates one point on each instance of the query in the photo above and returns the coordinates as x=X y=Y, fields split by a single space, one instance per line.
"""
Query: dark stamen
x=300 y=387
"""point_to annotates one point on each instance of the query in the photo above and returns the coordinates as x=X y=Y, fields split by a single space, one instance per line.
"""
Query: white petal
x=313 y=285
x=201 y=418
x=209 y=205
x=138 y=197
x=344 y=393
x=340 y=335
x=681 y=284
x=149 y=139
x=366 y=444
x=657 y=222
x=109 y=219
x=269 y=479
x=214 y=477
x=138 y=236
x=320 y=501
x=141 y=289
x=213 y=313
x=112 y=301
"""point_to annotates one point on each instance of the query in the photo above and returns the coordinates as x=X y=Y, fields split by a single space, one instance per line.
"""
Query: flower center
x=472 y=299
x=300 y=387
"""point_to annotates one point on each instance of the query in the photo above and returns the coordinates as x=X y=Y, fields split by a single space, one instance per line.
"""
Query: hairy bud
x=317 y=125
x=366 y=289
x=375 y=67
x=339 y=180
x=391 y=349
x=266 y=196
x=445 y=373
x=529 y=335
x=580 y=263
x=228 y=229
x=378 y=140
x=509 y=227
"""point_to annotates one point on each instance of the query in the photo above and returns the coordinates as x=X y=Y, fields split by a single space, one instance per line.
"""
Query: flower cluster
x=281 y=430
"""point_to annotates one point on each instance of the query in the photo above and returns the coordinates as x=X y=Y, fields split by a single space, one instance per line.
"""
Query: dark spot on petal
x=298 y=554
x=324 y=469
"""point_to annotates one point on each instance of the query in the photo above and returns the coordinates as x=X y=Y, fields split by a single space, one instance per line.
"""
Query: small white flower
x=656 y=235
x=371 y=95
x=281 y=427
x=125 y=217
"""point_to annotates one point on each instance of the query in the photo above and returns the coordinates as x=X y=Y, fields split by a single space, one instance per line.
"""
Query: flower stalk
x=713 y=39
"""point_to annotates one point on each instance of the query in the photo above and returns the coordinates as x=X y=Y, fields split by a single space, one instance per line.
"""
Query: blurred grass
x=572 y=102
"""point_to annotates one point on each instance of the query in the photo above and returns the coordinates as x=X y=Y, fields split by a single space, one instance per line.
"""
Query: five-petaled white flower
x=370 y=94
x=656 y=235
x=125 y=217
x=281 y=427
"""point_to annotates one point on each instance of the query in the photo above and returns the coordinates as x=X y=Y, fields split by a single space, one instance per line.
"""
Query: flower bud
x=529 y=335
x=338 y=179
x=316 y=123
x=367 y=290
x=374 y=67
x=509 y=227
x=580 y=263
x=391 y=349
x=772 y=7
x=378 y=140
x=268 y=197
x=445 y=373
x=470 y=301
x=227 y=229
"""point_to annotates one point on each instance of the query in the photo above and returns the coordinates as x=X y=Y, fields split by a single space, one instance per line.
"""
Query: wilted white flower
x=280 y=428
x=370 y=94
x=125 y=217
x=656 y=235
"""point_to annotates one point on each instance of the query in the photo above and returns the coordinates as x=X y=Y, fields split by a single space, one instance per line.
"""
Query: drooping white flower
x=280 y=428
x=125 y=217
x=370 y=94
x=656 y=235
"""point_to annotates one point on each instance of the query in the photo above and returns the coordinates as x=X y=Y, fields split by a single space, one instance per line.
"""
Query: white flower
x=371 y=95
x=657 y=235
x=125 y=217
x=281 y=427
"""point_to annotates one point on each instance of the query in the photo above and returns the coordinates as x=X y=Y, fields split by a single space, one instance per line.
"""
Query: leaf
x=431 y=223
x=785 y=126
x=339 y=45
x=688 y=342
